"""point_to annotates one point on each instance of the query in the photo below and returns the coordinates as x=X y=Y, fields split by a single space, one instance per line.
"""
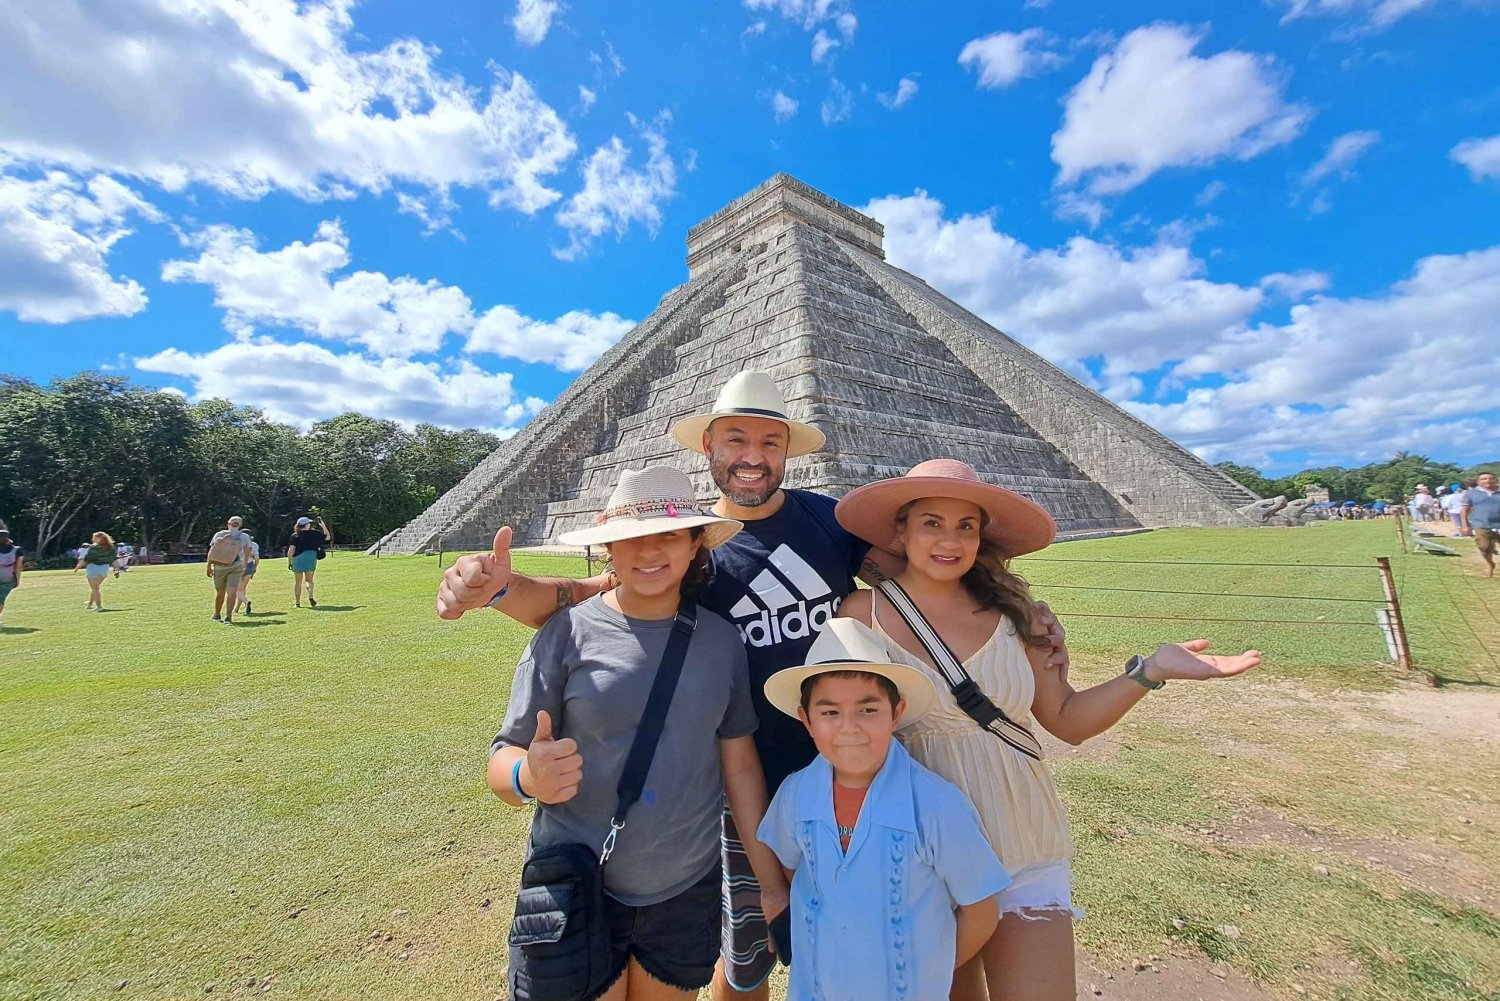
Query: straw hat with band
x=850 y=645
x=651 y=501
x=1014 y=523
x=749 y=394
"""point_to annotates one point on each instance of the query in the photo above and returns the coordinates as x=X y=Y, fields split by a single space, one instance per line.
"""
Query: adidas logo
x=790 y=603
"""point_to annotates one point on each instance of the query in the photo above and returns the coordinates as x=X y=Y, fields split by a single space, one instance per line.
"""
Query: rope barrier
x=1191 y=563
x=1210 y=594
x=1198 y=618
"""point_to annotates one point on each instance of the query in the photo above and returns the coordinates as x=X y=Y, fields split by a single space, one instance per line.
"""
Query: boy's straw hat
x=648 y=502
x=1014 y=523
x=750 y=394
x=850 y=645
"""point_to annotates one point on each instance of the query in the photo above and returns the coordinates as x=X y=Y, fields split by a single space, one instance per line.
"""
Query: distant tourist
x=1481 y=514
x=10 y=569
x=228 y=552
x=1453 y=507
x=241 y=599
x=95 y=561
x=308 y=546
x=957 y=612
x=1422 y=503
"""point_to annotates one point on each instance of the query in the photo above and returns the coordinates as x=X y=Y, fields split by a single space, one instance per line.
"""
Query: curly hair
x=694 y=581
x=991 y=583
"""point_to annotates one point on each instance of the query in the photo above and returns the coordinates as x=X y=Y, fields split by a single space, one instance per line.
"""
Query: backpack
x=226 y=547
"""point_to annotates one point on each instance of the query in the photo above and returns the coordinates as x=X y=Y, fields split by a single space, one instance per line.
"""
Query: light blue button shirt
x=877 y=922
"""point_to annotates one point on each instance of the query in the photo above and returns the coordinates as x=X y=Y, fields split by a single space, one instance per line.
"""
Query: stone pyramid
x=789 y=280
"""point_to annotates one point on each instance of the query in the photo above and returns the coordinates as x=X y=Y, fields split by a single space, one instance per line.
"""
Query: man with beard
x=779 y=581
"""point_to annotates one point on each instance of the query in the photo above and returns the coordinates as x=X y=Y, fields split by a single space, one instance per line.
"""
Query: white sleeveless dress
x=1023 y=817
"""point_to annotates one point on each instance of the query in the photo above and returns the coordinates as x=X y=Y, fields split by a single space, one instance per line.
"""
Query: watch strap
x=1135 y=670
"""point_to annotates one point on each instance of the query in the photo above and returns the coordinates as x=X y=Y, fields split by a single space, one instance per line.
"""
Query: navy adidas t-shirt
x=779 y=581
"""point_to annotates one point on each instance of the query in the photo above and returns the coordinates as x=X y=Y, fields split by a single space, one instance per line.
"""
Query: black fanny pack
x=559 y=937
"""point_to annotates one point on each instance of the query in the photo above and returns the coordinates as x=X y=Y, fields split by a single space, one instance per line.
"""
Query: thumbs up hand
x=553 y=767
x=473 y=580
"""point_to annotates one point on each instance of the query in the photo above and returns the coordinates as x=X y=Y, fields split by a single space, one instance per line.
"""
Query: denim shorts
x=675 y=941
x=1037 y=889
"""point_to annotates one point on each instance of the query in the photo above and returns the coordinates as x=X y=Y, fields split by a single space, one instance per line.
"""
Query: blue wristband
x=498 y=595
x=515 y=783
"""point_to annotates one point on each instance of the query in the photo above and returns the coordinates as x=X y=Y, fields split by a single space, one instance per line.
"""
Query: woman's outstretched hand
x=1188 y=662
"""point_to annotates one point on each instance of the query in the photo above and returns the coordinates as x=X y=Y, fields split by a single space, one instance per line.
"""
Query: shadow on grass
x=336 y=608
x=18 y=630
x=107 y=610
x=257 y=622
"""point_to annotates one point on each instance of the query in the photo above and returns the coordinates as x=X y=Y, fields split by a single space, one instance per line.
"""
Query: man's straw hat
x=648 y=502
x=850 y=645
x=749 y=394
x=1014 y=523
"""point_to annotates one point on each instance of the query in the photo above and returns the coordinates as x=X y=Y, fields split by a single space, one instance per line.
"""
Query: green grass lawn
x=298 y=801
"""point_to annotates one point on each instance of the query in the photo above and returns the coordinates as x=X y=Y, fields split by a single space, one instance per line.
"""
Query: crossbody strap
x=966 y=693
x=648 y=734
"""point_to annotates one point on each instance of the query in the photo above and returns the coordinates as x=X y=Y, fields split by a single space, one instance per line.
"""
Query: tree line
x=1393 y=480
x=93 y=452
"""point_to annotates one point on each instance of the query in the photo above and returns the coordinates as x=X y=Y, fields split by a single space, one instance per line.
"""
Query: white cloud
x=810 y=13
x=1340 y=156
x=1210 y=193
x=615 y=194
x=56 y=233
x=1007 y=56
x=1136 y=308
x=533 y=20
x=253 y=96
x=572 y=342
x=906 y=89
x=838 y=105
x=1340 y=379
x=586 y=98
x=295 y=287
x=757 y=28
x=1151 y=104
x=783 y=107
x=1357 y=377
x=822 y=44
x=303 y=383
x=1481 y=156
x=1374 y=14
x=302 y=286
x=616 y=64
x=1297 y=285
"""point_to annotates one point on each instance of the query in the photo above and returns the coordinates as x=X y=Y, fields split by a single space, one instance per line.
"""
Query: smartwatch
x=1135 y=670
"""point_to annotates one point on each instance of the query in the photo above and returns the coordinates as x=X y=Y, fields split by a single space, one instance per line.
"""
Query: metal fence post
x=440 y=552
x=1401 y=531
x=1403 y=649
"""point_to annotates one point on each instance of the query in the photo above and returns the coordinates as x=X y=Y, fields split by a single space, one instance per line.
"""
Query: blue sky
x=1273 y=233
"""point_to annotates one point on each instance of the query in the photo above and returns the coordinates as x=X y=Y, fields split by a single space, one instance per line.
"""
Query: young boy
x=894 y=883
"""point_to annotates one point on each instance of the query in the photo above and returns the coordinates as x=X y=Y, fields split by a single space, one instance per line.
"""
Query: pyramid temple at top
x=789 y=280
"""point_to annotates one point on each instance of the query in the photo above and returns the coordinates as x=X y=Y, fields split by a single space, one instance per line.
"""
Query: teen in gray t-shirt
x=591 y=669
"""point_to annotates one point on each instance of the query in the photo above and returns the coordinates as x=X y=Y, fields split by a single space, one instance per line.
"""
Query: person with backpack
x=630 y=722
x=957 y=612
x=309 y=545
x=228 y=552
x=10 y=567
x=779 y=581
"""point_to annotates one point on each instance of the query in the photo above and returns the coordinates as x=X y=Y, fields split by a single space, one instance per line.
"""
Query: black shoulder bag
x=966 y=693
x=559 y=939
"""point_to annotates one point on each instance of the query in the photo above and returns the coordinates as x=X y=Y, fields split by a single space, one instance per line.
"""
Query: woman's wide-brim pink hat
x=1014 y=523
